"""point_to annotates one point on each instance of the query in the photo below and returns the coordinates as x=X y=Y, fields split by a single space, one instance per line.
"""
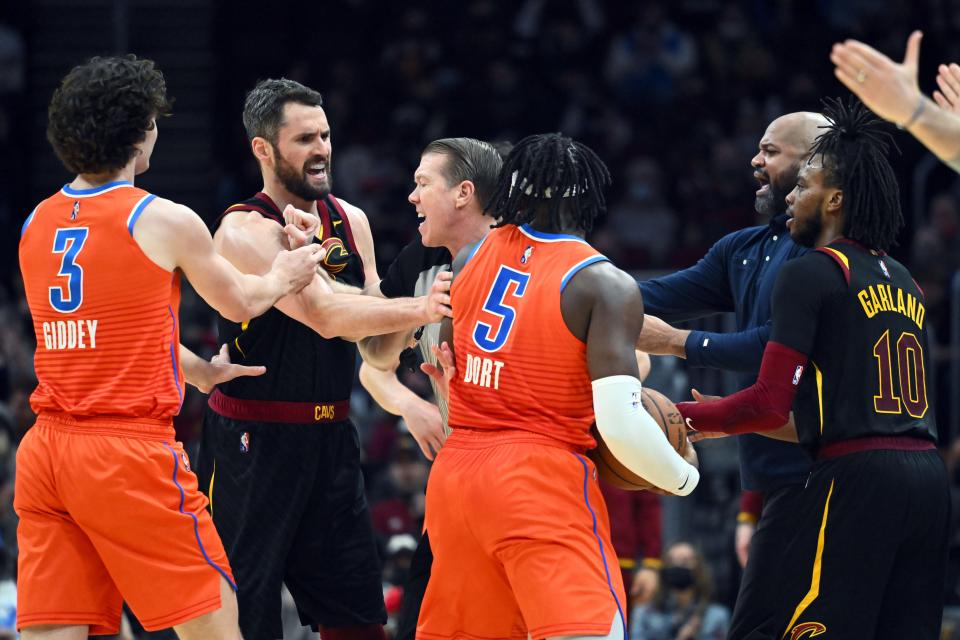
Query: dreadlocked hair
x=554 y=173
x=854 y=155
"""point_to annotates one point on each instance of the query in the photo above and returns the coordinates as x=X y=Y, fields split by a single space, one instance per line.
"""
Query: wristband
x=916 y=114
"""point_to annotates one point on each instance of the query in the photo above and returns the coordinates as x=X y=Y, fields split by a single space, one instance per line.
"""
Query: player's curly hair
x=102 y=110
x=553 y=172
x=854 y=155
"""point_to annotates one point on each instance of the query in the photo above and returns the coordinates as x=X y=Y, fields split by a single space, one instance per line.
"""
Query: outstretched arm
x=173 y=236
x=740 y=351
x=383 y=350
x=249 y=241
x=694 y=292
x=802 y=286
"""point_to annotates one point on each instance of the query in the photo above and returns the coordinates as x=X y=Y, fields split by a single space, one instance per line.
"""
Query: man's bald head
x=800 y=129
x=784 y=146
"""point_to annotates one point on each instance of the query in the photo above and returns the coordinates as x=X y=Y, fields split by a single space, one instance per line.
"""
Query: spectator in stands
x=681 y=608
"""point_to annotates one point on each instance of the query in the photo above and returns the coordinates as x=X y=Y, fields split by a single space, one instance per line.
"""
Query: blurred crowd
x=674 y=96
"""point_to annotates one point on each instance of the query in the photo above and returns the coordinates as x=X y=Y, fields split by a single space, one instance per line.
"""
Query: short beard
x=807 y=234
x=295 y=181
x=775 y=202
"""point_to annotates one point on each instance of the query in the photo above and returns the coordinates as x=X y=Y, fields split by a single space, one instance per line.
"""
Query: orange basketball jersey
x=518 y=365
x=105 y=315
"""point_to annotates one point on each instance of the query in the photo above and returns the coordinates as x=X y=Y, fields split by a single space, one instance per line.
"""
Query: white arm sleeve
x=635 y=439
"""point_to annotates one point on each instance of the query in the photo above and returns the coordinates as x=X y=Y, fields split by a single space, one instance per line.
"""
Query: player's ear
x=262 y=149
x=465 y=193
x=835 y=200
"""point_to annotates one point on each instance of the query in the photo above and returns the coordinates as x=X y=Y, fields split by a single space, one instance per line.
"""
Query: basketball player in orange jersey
x=109 y=509
x=543 y=332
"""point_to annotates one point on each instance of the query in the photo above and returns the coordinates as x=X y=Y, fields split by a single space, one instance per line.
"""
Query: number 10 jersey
x=861 y=318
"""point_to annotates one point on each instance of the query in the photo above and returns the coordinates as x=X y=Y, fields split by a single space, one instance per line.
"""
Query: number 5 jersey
x=518 y=365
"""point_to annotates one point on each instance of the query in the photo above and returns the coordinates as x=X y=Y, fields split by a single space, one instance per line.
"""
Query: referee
x=455 y=178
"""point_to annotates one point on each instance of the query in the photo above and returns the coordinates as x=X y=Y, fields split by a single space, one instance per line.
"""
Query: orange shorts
x=521 y=541
x=110 y=511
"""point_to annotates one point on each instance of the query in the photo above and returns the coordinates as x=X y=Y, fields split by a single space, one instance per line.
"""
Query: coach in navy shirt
x=737 y=275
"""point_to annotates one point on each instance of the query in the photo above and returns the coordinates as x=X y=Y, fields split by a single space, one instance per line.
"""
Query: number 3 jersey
x=105 y=315
x=860 y=317
x=518 y=365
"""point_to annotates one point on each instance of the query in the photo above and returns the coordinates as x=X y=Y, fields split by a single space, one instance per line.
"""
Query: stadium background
x=673 y=96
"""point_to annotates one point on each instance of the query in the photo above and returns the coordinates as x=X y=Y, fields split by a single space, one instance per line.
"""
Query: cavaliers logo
x=807 y=630
x=337 y=255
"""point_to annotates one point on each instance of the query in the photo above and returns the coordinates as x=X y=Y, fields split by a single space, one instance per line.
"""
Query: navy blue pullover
x=737 y=274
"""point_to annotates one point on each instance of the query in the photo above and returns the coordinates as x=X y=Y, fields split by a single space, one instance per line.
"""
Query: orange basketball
x=665 y=413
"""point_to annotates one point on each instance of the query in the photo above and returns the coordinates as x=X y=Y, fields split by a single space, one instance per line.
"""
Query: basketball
x=665 y=413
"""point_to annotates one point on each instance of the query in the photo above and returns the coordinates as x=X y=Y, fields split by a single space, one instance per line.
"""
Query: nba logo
x=76 y=210
x=797 y=374
x=185 y=460
x=883 y=267
x=526 y=255
x=245 y=442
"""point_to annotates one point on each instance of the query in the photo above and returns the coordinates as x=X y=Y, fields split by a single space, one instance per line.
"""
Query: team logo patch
x=337 y=255
x=807 y=630
x=76 y=210
x=883 y=267
x=245 y=442
x=526 y=255
x=797 y=374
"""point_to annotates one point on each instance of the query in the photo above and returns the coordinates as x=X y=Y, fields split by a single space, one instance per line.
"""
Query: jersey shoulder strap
x=839 y=258
x=259 y=202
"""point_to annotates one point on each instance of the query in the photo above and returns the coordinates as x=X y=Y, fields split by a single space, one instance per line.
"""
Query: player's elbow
x=323 y=320
x=374 y=355
x=238 y=311
x=326 y=329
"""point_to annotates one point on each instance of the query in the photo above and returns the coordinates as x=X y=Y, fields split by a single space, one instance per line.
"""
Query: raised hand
x=948 y=78
x=301 y=226
x=887 y=88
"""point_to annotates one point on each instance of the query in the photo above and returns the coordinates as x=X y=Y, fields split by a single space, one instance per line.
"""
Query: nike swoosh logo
x=685 y=481
x=689 y=423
